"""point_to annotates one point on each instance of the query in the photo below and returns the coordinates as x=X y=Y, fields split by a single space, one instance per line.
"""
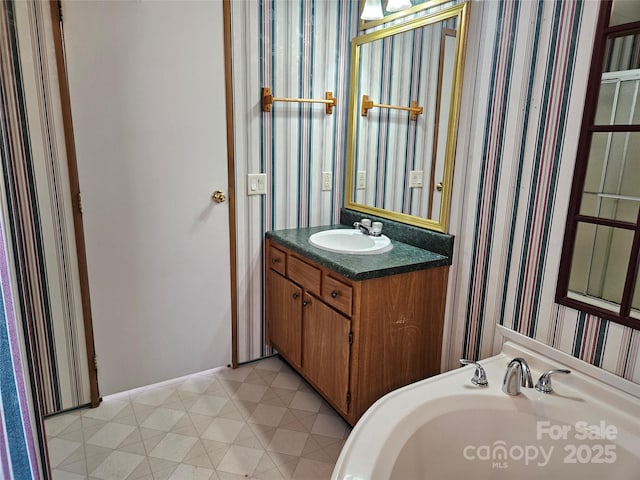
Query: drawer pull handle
x=275 y=260
x=295 y=295
x=334 y=294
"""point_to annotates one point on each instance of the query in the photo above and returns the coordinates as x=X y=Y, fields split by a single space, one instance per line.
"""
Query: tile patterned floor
x=260 y=421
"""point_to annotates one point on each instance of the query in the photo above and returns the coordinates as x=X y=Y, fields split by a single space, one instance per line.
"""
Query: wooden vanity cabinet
x=354 y=341
x=285 y=313
x=325 y=350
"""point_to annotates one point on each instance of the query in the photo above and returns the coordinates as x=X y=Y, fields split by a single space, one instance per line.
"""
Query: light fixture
x=372 y=10
x=397 y=5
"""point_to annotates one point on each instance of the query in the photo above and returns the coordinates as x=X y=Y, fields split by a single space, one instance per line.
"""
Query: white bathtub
x=446 y=428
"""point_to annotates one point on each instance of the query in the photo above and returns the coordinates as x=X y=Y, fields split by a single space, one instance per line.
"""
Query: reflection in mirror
x=404 y=102
x=600 y=264
x=618 y=97
x=599 y=267
x=624 y=11
x=401 y=155
x=392 y=11
x=612 y=184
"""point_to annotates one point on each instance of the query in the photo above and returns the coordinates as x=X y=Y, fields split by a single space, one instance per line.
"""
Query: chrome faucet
x=366 y=229
x=517 y=375
x=373 y=229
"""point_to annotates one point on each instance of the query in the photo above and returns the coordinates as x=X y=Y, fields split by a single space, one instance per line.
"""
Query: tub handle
x=480 y=376
x=544 y=383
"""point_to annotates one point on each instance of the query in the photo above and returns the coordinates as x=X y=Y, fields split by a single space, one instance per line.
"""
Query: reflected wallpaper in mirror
x=391 y=148
x=404 y=103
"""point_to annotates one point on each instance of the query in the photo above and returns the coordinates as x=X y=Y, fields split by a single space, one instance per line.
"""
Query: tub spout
x=517 y=375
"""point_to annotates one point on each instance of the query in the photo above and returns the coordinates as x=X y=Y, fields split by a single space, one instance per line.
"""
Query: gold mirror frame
x=461 y=11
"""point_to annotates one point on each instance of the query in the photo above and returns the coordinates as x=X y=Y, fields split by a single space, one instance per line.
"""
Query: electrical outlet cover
x=361 y=182
x=327 y=180
x=415 y=178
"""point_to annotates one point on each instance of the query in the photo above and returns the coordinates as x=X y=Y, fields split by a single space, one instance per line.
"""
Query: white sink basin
x=351 y=241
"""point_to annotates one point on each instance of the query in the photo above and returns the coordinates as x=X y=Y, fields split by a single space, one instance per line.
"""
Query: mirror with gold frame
x=406 y=83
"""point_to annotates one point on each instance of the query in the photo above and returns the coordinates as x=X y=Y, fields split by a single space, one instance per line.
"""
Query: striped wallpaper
x=36 y=206
x=513 y=175
x=532 y=67
x=301 y=50
x=526 y=72
x=20 y=453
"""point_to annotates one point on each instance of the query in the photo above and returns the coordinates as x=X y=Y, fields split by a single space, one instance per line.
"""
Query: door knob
x=218 y=196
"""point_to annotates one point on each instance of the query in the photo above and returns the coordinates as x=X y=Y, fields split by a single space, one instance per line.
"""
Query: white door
x=147 y=90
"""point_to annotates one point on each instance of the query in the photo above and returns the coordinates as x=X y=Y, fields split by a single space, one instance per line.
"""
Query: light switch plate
x=361 y=181
x=415 y=178
x=327 y=180
x=256 y=184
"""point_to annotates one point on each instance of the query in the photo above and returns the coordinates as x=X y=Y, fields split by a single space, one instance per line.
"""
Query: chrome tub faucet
x=517 y=375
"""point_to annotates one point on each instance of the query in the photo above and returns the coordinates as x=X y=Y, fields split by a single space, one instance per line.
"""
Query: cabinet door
x=284 y=316
x=325 y=350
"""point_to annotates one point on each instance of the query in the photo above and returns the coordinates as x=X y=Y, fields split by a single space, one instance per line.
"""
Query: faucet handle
x=363 y=225
x=544 y=383
x=480 y=376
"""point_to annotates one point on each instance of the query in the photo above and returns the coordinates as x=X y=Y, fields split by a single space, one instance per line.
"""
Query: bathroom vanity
x=354 y=326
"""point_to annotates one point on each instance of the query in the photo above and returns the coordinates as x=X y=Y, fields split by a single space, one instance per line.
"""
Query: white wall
x=147 y=92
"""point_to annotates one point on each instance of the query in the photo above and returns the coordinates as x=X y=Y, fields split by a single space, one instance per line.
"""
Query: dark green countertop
x=401 y=258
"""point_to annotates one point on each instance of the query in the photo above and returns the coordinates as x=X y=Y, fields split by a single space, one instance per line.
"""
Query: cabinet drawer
x=305 y=275
x=337 y=294
x=277 y=260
